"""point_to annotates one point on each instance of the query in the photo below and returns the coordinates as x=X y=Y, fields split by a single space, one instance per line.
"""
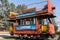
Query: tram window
x=18 y=22
x=27 y=21
x=32 y=20
x=40 y=21
x=21 y=22
x=45 y=21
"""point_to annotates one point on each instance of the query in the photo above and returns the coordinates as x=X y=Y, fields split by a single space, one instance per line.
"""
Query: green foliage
x=55 y=24
x=56 y=27
x=21 y=8
x=12 y=7
x=6 y=7
x=4 y=1
x=58 y=32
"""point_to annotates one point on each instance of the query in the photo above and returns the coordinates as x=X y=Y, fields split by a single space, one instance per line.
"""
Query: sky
x=55 y=3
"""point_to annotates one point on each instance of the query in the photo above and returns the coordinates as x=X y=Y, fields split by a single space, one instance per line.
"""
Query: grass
x=7 y=39
x=10 y=39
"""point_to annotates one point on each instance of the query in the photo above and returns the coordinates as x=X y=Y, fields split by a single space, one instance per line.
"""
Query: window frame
x=34 y=21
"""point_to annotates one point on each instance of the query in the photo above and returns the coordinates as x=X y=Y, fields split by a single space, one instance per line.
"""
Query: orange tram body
x=33 y=23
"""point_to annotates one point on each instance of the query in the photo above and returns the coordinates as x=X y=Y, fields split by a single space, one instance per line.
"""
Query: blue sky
x=17 y=2
x=56 y=3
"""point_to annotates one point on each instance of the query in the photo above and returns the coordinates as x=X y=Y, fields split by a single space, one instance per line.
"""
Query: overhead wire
x=39 y=8
x=36 y=3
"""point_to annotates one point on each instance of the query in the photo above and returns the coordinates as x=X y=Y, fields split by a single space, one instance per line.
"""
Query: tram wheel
x=11 y=33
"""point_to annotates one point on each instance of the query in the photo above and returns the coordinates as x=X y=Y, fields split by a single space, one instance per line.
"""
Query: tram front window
x=42 y=21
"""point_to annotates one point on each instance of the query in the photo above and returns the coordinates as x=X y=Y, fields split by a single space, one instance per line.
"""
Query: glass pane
x=40 y=21
x=27 y=21
x=45 y=21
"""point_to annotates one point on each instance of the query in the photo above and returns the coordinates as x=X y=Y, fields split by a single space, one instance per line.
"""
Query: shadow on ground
x=8 y=37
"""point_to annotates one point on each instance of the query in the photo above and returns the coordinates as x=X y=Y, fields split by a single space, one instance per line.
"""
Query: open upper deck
x=41 y=13
x=46 y=12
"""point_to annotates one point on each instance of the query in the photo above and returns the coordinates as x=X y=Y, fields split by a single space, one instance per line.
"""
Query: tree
x=4 y=1
x=12 y=7
x=56 y=27
x=21 y=8
x=4 y=10
x=24 y=7
x=5 y=6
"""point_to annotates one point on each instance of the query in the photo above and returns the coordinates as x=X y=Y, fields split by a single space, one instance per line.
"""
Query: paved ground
x=56 y=38
x=6 y=36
